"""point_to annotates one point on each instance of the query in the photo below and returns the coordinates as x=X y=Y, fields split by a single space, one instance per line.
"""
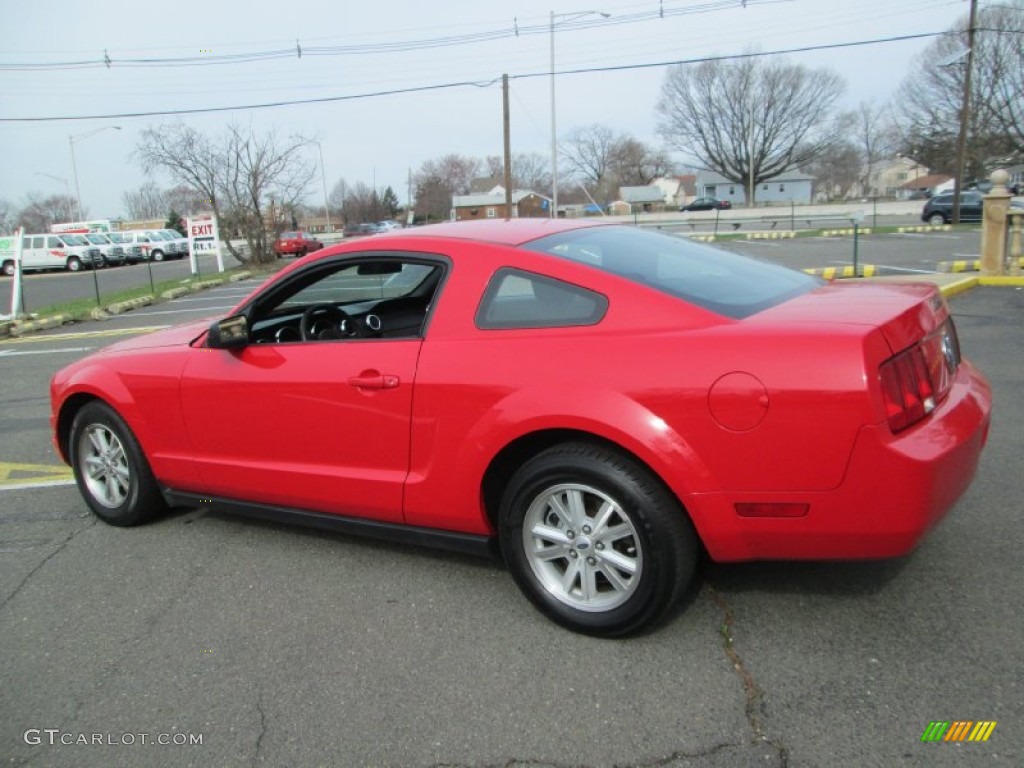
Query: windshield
x=171 y=234
x=115 y=237
x=97 y=239
x=717 y=280
x=74 y=240
x=156 y=236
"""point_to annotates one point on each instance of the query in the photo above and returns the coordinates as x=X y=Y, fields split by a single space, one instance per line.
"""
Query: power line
x=107 y=61
x=477 y=84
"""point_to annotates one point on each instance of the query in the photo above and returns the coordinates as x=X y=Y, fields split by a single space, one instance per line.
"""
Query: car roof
x=512 y=232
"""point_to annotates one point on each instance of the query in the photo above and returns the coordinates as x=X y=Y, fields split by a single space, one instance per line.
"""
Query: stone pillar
x=993 y=225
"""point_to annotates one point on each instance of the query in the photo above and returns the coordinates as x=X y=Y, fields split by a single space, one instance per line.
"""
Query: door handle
x=374 y=380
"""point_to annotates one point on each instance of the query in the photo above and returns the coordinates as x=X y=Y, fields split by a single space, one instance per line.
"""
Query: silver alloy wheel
x=104 y=466
x=583 y=549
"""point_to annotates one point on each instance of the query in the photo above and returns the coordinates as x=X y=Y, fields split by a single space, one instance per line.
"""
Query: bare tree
x=39 y=213
x=151 y=202
x=6 y=216
x=146 y=202
x=751 y=120
x=530 y=170
x=339 y=193
x=837 y=171
x=248 y=178
x=438 y=180
x=999 y=64
x=633 y=163
x=876 y=139
x=588 y=152
x=930 y=98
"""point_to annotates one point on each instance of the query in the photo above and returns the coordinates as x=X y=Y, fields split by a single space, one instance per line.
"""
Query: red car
x=296 y=244
x=600 y=402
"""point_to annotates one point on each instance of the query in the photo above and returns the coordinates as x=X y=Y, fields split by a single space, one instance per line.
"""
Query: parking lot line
x=84 y=334
x=18 y=475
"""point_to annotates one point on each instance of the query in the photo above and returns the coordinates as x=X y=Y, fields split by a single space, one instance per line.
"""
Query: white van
x=154 y=246
x=132 y=252
x=113 y=253
x=52 y=251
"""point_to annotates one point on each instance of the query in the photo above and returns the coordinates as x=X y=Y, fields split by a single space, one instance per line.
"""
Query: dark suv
x=939 y=209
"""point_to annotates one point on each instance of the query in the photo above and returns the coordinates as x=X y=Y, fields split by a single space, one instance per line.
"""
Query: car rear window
x=717 y=280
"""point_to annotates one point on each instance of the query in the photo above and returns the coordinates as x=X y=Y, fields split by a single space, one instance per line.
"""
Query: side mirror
x=229 y=333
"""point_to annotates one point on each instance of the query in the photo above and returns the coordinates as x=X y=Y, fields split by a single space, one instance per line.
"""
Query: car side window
x=518 y=299
x=375 y=298
x=53 y=242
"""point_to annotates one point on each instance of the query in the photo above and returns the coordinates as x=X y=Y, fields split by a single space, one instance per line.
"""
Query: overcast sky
x=380 y=138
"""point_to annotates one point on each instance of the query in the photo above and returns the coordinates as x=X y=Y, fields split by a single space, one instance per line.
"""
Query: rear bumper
x=895 y=489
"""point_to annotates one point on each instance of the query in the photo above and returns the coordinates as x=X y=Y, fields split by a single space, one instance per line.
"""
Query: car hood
x=176 y=336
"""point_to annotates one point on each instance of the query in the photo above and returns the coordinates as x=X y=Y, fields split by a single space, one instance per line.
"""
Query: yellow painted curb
x=834 y=273
x=1011 y=280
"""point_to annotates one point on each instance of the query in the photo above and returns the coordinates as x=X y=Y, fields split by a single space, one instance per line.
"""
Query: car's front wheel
x=936 y=219
x=595 y=541
x=110 y=469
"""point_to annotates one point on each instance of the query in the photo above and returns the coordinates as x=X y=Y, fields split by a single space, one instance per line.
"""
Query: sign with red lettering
x=203 y=240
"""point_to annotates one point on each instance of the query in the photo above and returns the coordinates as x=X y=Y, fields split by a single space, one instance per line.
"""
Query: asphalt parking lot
x=280 y=646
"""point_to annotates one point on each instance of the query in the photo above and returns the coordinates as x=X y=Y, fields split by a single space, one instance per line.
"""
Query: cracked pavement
x=290 y=647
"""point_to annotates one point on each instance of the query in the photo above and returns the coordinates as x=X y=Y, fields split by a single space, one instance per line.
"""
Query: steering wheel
x=342 y=325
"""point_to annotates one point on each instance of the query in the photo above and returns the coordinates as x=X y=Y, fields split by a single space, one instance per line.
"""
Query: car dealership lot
x=283 y=646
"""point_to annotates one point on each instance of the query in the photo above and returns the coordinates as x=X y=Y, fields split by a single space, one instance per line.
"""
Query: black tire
x=158 y=255
x=937 y=219
x=110 y=469
x=74 y=264
x=644 y=528
x=8 y=268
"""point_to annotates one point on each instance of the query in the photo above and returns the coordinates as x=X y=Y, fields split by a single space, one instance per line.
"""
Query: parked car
x=599 y=402
x=296 y=244
x=707 y=204
x=939 y=210
x=387 y=226
x=355 y=230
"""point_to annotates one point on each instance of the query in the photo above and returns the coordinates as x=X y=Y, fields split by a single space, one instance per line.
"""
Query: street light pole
x=74 y=164
x=323 y=177
x=965 y=107
x=554 y=138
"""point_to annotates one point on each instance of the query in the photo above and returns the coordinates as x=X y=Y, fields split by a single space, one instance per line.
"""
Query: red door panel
x=321 y=425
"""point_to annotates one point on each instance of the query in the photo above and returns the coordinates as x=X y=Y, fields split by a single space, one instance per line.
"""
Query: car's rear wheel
x=595 y=541
x=8 y=268
x=110 y=469
x=936 y=219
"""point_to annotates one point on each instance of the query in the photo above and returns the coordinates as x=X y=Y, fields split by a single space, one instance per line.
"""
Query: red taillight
x=918 y=378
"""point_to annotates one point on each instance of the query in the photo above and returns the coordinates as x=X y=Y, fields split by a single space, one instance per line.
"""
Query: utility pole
x=965 y=112
x=506 y=124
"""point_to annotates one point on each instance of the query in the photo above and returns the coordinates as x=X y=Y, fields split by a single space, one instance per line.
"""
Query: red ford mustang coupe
x=599 y=401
